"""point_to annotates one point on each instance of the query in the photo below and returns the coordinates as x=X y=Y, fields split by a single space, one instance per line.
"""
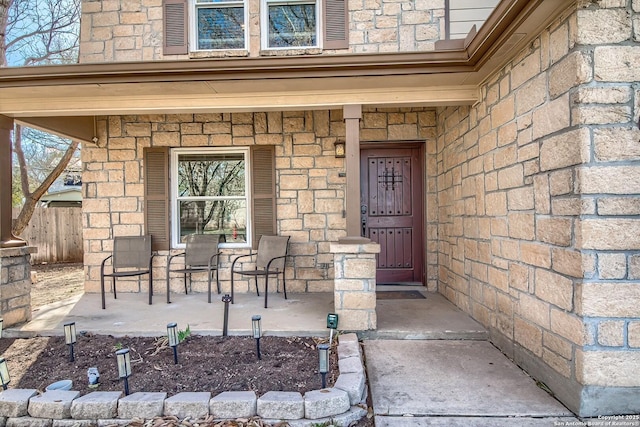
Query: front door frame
x=421 y=146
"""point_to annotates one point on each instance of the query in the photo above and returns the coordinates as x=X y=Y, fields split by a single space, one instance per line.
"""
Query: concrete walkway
x=429 y=364
x=450 y=383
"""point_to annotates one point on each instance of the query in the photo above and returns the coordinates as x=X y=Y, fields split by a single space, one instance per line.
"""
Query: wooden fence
x=56 y=232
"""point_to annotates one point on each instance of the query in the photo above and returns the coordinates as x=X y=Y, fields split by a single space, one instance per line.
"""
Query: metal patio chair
x=201 y=255
x=270 y=260
x=131 y=257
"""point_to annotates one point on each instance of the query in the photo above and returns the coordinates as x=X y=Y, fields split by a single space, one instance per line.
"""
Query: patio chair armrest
x=103 y=264
x=237 y=258
x=275 y=258
x=217 y=256
x=153 y=255
x=171 y=257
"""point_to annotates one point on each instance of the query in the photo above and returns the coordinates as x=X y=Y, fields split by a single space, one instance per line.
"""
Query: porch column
x=7 y=239
x=352 y=115
x=355 y=285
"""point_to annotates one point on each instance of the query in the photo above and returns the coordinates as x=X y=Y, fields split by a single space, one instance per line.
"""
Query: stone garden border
x=339 y=405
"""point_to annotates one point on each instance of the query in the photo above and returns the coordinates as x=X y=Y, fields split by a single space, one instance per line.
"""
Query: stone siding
x=538 y=191
x=15 y=285
x=131 y=30
x=309 y=185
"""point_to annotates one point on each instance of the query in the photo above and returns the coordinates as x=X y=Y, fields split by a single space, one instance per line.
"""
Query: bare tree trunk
x=4 y=18
x=32 y=198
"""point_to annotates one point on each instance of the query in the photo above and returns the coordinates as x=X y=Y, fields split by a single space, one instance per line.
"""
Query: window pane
x=221 y=28
x=292 y=25
x=227 y=217
x=217 y=175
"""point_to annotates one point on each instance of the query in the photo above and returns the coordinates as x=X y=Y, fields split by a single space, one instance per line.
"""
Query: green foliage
x=118 y=346
x=183 y=334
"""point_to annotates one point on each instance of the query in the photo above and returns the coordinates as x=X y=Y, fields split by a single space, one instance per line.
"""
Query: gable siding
x=464 y=14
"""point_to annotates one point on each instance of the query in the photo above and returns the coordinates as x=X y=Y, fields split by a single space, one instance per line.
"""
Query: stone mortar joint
x=340 y=405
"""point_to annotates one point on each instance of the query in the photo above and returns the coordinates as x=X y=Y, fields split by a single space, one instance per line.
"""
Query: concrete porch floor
x=301 y=314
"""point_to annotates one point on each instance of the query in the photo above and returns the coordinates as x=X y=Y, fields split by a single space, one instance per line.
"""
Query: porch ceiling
x=441 y=77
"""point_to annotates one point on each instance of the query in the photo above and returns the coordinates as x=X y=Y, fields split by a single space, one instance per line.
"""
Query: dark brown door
x=391 y=210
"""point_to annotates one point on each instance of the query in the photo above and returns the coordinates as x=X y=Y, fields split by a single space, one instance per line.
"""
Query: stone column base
x=355 y=284
x=15 y=284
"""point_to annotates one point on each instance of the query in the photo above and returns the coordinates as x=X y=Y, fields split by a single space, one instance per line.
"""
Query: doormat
x=399 y=295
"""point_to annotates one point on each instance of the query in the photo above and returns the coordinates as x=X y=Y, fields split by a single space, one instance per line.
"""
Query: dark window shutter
x=174 y=15
x=156 y=197
x=336 y=24
x=263 y=203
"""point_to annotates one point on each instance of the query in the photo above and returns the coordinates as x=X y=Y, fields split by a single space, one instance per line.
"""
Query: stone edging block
x=96 y=405
x=338 y=405
x=325 y=403
x=145 y=405
x=188 y=404
x=284 y=405
x=55 y=404
x=234 y=404
x=15 y=402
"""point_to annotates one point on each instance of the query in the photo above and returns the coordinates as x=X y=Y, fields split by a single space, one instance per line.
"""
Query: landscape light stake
x=124 y=367
x=226 y=299
x=70 y=338
x=4 y=373
x=174 y=340
x=323 y=357
x=332 y=324
x=257 y=332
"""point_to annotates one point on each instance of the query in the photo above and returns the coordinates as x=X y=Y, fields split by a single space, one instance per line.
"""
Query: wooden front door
x=391 y=210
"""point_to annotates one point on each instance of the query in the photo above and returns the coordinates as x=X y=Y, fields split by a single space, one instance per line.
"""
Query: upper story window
x=201 y=25
x=290 y=24
x=218 y=24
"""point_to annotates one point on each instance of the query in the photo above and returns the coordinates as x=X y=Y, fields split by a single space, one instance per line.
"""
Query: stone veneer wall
x=131 y=30
x=15 y=285
x=309 y=187
x=538 y=193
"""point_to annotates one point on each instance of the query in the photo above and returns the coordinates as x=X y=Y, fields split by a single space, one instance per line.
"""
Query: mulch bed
x=205 y=363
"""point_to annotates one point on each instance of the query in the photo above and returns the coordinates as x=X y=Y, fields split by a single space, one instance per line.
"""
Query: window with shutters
x=219 y=24
x=290 y=24
x=211 y=194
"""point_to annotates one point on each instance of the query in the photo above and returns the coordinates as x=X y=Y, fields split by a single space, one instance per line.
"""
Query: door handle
x=363 y=219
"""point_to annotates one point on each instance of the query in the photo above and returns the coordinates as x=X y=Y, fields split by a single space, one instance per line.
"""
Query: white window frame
x=194 y=5
x=173 y=182
x=264 y=24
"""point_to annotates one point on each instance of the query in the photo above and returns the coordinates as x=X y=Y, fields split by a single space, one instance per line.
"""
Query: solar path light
x=124 y=367
x=70 y=338
x=257 y=332
x=174 y=340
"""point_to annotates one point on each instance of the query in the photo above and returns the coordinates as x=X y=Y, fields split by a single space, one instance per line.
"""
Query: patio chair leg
x=284 y=285
x=209 y=285
x=150 y=286
x=217 y=281
x=266 y=289
x=168 y=283
x=232 y=286
x=115 y=295
x=184 y=277
x=102 y=291
x=257 y=290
